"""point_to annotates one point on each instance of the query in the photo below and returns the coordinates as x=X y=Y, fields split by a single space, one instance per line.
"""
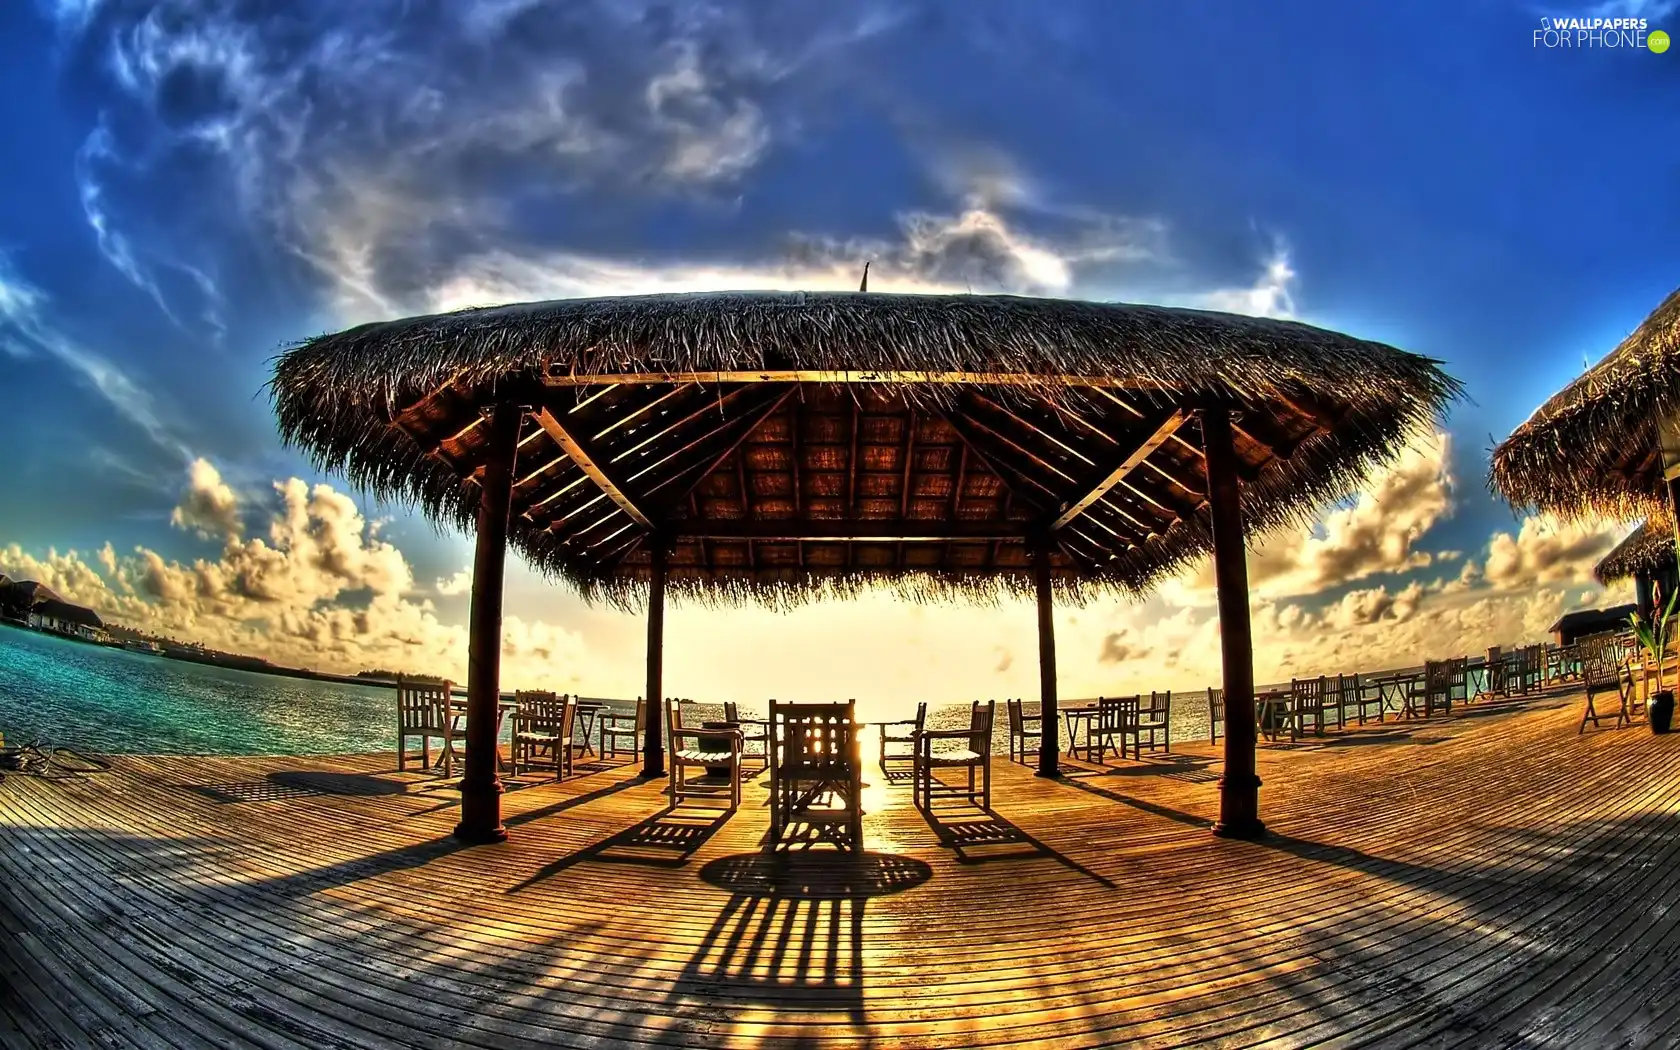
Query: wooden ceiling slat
x=1031 y=428
x=792 y=530
x=716 y=405
x=630 y=417
x=842 y=377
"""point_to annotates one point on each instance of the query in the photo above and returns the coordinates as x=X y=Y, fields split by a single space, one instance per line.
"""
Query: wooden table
x=459 y=708
x=1073 y=716
x=1396 y=691
x=584 y=714
x=1268 y=700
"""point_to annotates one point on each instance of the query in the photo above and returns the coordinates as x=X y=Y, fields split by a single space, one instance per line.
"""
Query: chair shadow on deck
x=1186 y=769
x=665 y=840
x=979 y=836
x=791 y=933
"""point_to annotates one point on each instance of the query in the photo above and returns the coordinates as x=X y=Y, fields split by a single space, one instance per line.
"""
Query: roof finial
x=864 y=286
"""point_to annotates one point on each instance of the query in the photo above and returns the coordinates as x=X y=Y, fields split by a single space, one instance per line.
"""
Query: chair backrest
x=813 y=741
x=544 y=712
x=674 y=713
x=1216 y=704
x=1601 y=659
x=641 y=714
x=1437 y=678
x=731 y=711
x=1160 y=705
x=1307 y=693
x=420 y=705
x=1017 y=717
x=980 y=718
x=1117 y=714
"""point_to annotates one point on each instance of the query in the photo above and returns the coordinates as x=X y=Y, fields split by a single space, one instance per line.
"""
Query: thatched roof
x=1648 y=549
x=759 y=432
x=1591 y=449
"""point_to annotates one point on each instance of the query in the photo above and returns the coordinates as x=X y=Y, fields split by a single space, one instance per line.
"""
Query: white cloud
x=457 y=584
x=1271 y=295
x=209 y=506
x=1547 y=552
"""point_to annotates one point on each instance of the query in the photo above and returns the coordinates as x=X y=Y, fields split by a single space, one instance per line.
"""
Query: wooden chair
x=1306 y=706
x=1155 y=721
x=1433 y=690
x=1216 y=713
x=1116 y=720
x=542 y=722
x=421 y=713
x=816 y=778
x=704 y=749
x=618 y=727
x=902 y=732
x=1022 y=728
x=1603 y=670
x=1364 y=699
x=753 y=730
x=1533 y=669
x=976 y=754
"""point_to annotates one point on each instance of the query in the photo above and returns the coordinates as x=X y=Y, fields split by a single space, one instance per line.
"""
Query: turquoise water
x=98 y=699
x=109 y=700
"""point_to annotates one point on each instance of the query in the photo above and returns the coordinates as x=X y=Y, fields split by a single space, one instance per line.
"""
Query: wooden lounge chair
x=617 y=728
x=705 y=749
x=421 y=712
x=1026 y=732
x=816 y=781
x=902 y=732
x=975 y=754
x=753 y=730
x=1155 y=723
x=1216 y=714
x=542 y=722
x=1116 y=723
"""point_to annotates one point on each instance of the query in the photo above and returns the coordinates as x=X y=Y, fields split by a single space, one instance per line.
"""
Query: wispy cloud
x=23 y=309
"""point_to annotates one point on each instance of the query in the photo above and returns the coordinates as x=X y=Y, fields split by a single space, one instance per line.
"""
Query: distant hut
x=787 y=447
x=1646 y=557
x=1594 y=449
x=43 y=609
x=1572 y=627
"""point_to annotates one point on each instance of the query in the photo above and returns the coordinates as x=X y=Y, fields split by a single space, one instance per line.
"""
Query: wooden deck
x=1491 y=880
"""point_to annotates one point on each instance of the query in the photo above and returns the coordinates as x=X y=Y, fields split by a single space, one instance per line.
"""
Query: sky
x=187 y=187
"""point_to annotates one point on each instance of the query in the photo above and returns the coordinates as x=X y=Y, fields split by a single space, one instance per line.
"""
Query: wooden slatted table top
x=1488 y=879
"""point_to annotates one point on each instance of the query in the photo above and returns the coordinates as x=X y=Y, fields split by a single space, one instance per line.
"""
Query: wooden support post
x=1644 y=595
x=1049 y=745
x=653 y=738
x=1674 y=503
x=481 y=788
x=1239 y=787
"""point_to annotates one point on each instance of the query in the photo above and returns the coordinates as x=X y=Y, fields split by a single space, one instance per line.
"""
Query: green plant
x=1653 y=637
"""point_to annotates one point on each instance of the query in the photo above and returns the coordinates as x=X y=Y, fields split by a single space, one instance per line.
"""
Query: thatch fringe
x=1584 y=453
x=336 y=397
x=1649 y=549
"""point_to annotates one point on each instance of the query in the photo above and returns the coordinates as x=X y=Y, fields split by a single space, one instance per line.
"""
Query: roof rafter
x=586 y=459
x=1098 y=487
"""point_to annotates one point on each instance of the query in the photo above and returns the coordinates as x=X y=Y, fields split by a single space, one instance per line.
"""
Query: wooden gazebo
x=1596 y=448
x=1645 y=556
x=783 y=448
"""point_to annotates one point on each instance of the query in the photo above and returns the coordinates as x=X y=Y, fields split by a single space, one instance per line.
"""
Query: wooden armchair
x=542 y=722
x=1363 y=697
x=753 y=730
x=422 y=712
x=1115 y=723
x=1022 y=728
x=1155 y=722
x=617 y=728
x=816 y=777
x=901 y=732
x=704 y=749
x=1306 y=706
x=1216 y=714
x=975 y=754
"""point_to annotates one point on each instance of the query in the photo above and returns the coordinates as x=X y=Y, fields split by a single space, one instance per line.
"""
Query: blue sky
x=187 y=186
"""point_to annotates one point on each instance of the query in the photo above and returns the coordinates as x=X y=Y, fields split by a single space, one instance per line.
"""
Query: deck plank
x=1454 y=883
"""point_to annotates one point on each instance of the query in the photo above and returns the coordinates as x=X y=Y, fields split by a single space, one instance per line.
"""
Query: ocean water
x=112 y=701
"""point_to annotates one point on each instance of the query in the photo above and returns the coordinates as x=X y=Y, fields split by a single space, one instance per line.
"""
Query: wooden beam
x=753 y=421
x=793 y=529
x=793 y=441
x=1239 y=788
x=843 y=377
x=966 y=432
x=1050 y=747
x=1116 y=473
x=481 y=788
x=953 y=512
x=852 y=472
x=586 y=460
